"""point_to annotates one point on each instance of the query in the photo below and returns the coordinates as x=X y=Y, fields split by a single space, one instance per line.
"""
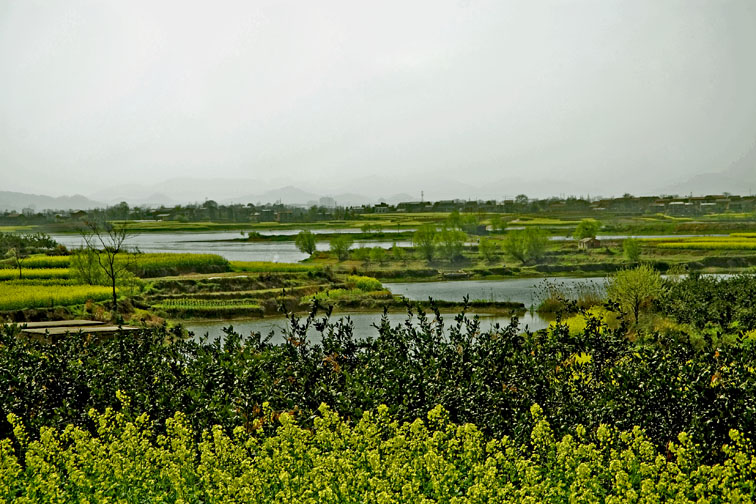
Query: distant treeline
x=282 y=213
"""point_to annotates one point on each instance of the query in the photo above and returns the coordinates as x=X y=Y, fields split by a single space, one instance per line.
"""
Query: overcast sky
x=605 y=94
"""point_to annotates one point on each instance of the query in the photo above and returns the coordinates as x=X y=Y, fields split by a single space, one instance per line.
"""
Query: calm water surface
x=211 y=243
x=362 y=324
x=524 y=290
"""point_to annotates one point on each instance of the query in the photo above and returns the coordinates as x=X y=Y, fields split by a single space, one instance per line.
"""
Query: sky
x=596 y=96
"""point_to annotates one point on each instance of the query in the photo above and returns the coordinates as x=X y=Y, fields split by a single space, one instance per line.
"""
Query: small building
x=589 y=243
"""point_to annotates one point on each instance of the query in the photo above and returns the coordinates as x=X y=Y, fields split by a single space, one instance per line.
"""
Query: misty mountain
x=18 y=201
x=182 y=190
x=289 y=195
x=738 y=178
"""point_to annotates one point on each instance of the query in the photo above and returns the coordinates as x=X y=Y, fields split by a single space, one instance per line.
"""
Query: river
x=362 y=324
x=216 y=242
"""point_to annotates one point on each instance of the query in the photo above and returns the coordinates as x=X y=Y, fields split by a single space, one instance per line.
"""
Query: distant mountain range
x=19 y=201
x=738 y=178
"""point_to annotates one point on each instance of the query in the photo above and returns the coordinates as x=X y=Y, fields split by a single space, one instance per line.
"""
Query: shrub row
x=491 y=378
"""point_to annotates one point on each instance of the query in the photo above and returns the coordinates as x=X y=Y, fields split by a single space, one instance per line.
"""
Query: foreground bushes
x=596 y=376
x=375 y=460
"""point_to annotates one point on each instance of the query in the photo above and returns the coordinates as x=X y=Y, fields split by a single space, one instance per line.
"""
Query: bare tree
x=112 y=239
x=17 y=255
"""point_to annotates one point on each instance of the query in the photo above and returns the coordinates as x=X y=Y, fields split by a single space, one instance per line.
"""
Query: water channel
x=214 y=243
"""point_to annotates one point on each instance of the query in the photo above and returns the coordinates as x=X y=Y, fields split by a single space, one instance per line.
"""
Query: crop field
x=154 y=265
x=40 y=261
x=35 y=273
x=188 y=307
x=17 y=296
x=736 y=241
x=271 y=267
x=427 y=460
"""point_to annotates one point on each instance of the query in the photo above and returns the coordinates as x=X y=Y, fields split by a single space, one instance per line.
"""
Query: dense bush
x=487 y=378
x=374 y=460
x=701 y=301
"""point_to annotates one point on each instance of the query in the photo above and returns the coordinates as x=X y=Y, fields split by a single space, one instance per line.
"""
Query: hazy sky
x=605 y=94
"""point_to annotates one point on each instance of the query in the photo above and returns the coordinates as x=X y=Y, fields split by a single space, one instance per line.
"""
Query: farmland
x=637 y=371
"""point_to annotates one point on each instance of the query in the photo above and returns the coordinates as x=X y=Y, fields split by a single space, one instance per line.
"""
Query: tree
x=424 y=241
x=378 y=254
x=487 y=248
x=306 y=242
x=85 y=267
x=362 y=254
x=112 y=239
x=398 y=253
x=18 y=247
x=340 y=245
x=17 y=255
x=587 y=228
x=454 y=220
x=450 y=243
x=526 y=244
x=497 y=224
x=632 y=249
x=632 y=288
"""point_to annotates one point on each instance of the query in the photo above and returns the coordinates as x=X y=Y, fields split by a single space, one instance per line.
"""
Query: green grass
x=18 y=296
x=192 y=307
x=271 y=267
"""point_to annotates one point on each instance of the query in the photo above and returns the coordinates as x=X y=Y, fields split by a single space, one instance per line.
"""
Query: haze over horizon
x=578 y=97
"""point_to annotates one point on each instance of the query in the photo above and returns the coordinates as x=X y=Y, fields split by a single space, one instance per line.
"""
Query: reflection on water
x=363 y=324
x=625 y=236
x=522 y=290
x=211 y=243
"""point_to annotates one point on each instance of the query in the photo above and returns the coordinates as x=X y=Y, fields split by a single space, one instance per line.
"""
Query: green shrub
x=364 y=283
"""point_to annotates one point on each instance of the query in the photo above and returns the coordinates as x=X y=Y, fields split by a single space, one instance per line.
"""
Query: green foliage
x=306 y=242
x=498 y=225
x=586 y=228
x=488 y=377
x=424 y=241
x=632 y=249
x=378 y=255
x=340 y=246
x=361 y=254
x=271 y=267
x=377 y=460
x=364 y=283
x=398 y=253
x=705 y=301
x=488 y=249
x=526 y=244
x=26 y=243
x=85 y=268
x=635 y=288
x=450 y=243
